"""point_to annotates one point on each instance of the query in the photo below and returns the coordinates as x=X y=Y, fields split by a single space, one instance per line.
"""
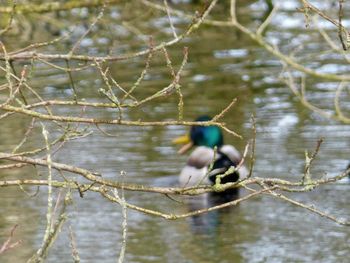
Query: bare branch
x=7 y=245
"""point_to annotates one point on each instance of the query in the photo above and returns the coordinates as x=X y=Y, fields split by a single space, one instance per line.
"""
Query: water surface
x=223 y=64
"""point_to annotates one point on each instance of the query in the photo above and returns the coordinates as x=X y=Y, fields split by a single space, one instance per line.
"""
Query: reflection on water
x=260 y=230
x=209 y=223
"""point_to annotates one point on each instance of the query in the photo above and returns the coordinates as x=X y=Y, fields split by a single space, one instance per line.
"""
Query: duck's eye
x=197 y=134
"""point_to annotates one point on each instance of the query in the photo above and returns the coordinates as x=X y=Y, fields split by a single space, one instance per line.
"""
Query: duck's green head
x=209 y=136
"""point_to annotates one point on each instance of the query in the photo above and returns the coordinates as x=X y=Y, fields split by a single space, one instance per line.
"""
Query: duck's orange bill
x=186 y=140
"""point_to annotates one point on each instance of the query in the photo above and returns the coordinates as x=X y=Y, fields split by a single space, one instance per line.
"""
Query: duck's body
x=196 y=171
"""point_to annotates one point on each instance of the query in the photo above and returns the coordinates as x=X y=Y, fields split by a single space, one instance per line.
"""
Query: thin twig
x=98 y=18
x=9 y=23
x=75 y=253
x=309 y=160
x=252 y=155
x=7 y=244
x=169 y=17
x=340 y=27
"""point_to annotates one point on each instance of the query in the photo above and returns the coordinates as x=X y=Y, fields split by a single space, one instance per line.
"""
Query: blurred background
x=223 y=64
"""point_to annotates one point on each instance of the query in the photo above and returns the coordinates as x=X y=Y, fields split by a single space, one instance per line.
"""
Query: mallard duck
x=206 y=138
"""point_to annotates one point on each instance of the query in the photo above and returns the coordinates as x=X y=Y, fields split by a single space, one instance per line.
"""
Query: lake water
x=223 y=64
